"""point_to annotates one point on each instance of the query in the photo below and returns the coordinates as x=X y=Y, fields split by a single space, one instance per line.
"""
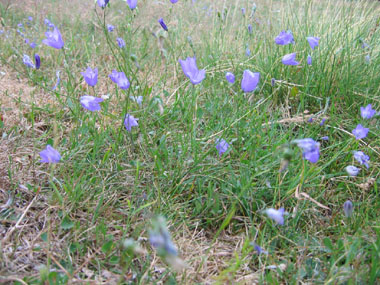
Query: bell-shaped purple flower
x=103 y=3
x=91 y=103
x=313 y=41
x=130 y=122
x=360 y=132
x=348 y=208
x=33 y=45
x=27 y=61
x=284 y=38
x=37 y=60
x=310 y=149
x=276 y=215
x=132 y=4
x=50 y=155
x=362 y=158
x=174 y=1
x=120 y=42
x=90 y=76
x=230 y=77
x=250 y=28
x=54 y=38
x=352 y=170
x=222 y=146
x=162 y=23
x=190 y=69
x=309 y=60
x=249 y=81
x=290 y=59
x=367 y=112
x=110 y=28
x=120 y=79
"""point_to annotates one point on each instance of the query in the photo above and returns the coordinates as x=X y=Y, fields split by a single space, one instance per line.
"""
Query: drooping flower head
x=309 y=60
x=110 y=28
x=120 y=42
x=190 y=69
x=284 y=38
x=160 y=239
x=50 y=155
x=27 y=61
x=120 y=79
x=103 y=3
x=37 y=60
x=247 y=51
x=54 y=38
x=313 y=41
x=367 y=112
x=230 y=77
x=132 y=4
x=290 y=59
x=162 y=23
x=90 y=76
x=276 y=215
x=310 y=149
x=348 y=208
x=352 y=170
x=130 y=122
x=250 y=80
x=250 y=28
x=174 y=1
x=91 y=103
x=222 y=146
x=360 y=132
x=362 y=158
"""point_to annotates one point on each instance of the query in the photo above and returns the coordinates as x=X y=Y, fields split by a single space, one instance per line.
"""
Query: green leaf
x=67 y=223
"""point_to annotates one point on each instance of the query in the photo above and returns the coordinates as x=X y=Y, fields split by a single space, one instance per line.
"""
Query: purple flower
x=310 y=120
x=162 y=23
x=313 y=41
x=174 y=1
x=37 y=59
x=50 y=155
x=137 y=99
x=130 y=122
x=259 y=250
x=221 y=146
x=276 y=215
x=365 y=45
x=120 y=42
x=360 y=132
x=273 y=82
x=352 y=170
x=230 y=77
x=132 y=4
x=310 y=149
x=90 y=76
x=110 y=28
x=243 y=11
x=250 y=28
x=284 y=38
x=27 y=61
x=322 y=122
x=54 y=39
x=33 y=45
x=367 y=112
x=103 y=3
x=325 y=138
x=250 y=80
x=362 y=158
x=348 y=208
x=309 y=60
x=91 y=103
x=30 y=18
x=290 y=59
x=247 y=51
x=190 y=69
x=120 y=79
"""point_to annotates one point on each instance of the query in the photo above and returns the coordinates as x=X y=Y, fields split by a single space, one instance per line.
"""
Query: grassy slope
x=110 y=183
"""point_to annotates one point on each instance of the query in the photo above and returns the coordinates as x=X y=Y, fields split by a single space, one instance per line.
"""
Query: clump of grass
x=71 y=221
